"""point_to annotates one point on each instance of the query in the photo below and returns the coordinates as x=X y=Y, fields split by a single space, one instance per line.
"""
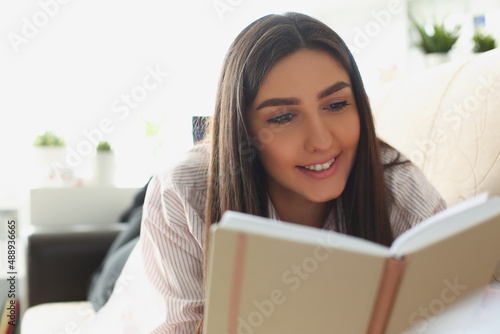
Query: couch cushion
x=66 y=317
x=447 y=121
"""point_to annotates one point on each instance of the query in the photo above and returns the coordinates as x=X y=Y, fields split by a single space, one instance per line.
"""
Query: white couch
x=446 y=120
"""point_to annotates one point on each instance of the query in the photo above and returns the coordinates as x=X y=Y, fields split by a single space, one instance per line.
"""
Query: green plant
x=49 y=138
x=483 y=42
x=438 y=39
x=153 y=127
x=103 y=146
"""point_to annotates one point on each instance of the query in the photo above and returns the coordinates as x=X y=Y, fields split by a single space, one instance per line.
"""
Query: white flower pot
x=50 y=169
x=435 y=59
x=105 y=169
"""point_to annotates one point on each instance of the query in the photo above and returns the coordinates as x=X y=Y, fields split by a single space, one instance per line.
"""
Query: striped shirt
x=167 y=263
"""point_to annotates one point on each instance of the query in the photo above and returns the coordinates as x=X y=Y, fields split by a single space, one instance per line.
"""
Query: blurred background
x=85 y=70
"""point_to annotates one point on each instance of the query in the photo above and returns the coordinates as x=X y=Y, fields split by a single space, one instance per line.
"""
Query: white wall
x=71 y=73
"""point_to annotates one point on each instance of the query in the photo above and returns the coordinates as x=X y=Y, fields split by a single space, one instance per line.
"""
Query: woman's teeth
x=320 y=167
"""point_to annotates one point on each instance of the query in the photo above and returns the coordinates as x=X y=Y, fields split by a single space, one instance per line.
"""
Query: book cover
x=274 y=277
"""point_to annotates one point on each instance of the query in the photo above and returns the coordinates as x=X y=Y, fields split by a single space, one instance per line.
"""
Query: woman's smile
x=321 y=170
x=319 y=166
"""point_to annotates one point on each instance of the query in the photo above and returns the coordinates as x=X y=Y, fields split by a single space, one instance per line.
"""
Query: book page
x=447 y=222
x=295 y=232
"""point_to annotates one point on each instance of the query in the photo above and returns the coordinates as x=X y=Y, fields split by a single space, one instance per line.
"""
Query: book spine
x=391 y=278
x=239 y=264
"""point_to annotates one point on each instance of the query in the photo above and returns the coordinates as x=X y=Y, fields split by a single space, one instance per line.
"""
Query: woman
x=291 y=138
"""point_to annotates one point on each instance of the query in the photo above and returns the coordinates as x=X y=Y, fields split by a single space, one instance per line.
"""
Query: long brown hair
x=236 y=178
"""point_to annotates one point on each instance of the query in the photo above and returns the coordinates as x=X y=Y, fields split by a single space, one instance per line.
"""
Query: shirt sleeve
x=173 y=256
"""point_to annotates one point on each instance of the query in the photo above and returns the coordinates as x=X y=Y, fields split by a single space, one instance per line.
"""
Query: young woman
x=291 y=138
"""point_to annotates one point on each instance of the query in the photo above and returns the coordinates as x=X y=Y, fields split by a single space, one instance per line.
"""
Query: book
x=269 y=276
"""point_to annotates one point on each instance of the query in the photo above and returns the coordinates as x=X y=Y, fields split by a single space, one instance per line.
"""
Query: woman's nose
x=318 y=135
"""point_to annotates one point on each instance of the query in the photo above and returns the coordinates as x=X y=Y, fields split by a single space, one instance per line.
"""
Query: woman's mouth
x=324 y=170
x=320 y=167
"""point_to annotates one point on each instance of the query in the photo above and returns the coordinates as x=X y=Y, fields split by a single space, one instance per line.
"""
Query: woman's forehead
x=304 y=68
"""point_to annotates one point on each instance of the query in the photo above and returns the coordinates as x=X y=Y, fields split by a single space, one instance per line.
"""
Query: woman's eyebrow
x=287 y=101
x=332 y=89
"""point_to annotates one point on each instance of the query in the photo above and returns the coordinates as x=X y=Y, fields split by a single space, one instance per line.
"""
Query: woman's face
x=306 y=124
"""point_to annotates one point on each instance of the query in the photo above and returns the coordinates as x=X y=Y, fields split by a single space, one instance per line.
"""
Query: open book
x=268 y=276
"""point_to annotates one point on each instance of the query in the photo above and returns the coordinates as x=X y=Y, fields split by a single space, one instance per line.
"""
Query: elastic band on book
x=389 y=285
x=234 y=302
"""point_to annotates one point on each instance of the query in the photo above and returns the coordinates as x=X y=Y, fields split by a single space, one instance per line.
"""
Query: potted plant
x=436 y=41
x=483 y=42
x=104 y=171
x=49 y=154
x=103 y=146
x=49 y=139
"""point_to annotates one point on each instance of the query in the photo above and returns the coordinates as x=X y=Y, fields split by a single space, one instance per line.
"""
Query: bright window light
x=135 y=72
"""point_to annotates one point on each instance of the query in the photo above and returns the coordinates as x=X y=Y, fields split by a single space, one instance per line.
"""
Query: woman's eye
x=282 y=119
x=337 y=106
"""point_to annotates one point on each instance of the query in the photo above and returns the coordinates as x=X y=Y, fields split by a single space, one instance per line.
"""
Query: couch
x=60 y=264
x=68 y=254
x=445 y=119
